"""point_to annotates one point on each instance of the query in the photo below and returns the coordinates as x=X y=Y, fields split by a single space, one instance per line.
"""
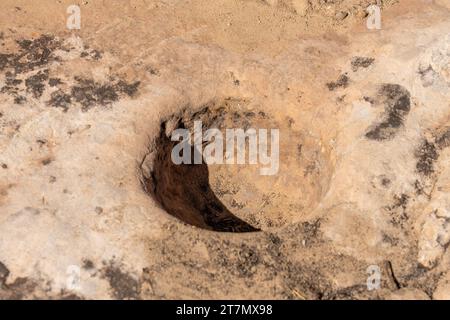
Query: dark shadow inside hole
x=183 y=191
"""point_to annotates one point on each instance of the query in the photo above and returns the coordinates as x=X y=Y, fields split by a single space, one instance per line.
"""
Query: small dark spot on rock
x=41 y=142
x=4 y=166
x=4 y=273
x=53 y=82
x=96 y=55
x=46 y=161
x=385 y=182
x=342 y=82
x=129 y=89
x=152 y=71
x=123 y=285
x=35 y=83
x=443 y=140
x=59 y=99
x=428 y=76
x=426 y=155
x=88 y=264
x=20 y=100
x=99 y=210
x=361 y=62
x=341 y=15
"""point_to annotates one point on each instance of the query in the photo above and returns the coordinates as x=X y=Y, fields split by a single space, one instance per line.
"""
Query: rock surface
x=89 y=208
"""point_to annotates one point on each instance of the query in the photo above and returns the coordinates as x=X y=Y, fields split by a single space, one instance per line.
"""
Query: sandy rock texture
x=91 y=207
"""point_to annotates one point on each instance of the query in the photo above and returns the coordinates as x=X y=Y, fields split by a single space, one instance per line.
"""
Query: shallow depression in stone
x=237 y=197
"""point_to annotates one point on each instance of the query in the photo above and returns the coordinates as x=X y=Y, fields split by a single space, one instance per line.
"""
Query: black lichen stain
x=32 y=54
x=88 y=264
x=46 y=161
x=123 y=285
x=53 y=82
x=90 y=93
x=428 y=152
x=342 y=82
x=27 y=73
x=426 y=155
x=398 y=210
x=91 y=54
x=59 y=99
x=397 y=101
x=361 y=62
x=36 y=83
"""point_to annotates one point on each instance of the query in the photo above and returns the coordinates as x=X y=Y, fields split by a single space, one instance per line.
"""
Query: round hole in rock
x=237 y=197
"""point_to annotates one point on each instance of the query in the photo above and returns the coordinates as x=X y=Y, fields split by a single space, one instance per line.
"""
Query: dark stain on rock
x=88 y=264
x=428 y=152
x=123 y=285
x=4 y=273
x=20 y=100
x=59 y=99
x=90 y=93
x=443 y=140
x=32 y=54
x=23 y=66
x=426 y=155
x=47 y=161
x=21 y=288
x=128 y=88
x=398 y=210
x=35 y=84
x=342 y=82
x=69 y=296
x=427 y=76
x=53 y=82
x=91 y=54
x=397 y=102
x=361 y=62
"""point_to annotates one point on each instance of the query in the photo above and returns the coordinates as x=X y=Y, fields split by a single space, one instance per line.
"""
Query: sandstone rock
x=442 y=291
x=300 y=6
x=443 y=3
x=408 y=294
x=434 y=238
x=92 y=206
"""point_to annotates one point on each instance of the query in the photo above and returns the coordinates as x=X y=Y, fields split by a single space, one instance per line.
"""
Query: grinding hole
x=237 y=198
